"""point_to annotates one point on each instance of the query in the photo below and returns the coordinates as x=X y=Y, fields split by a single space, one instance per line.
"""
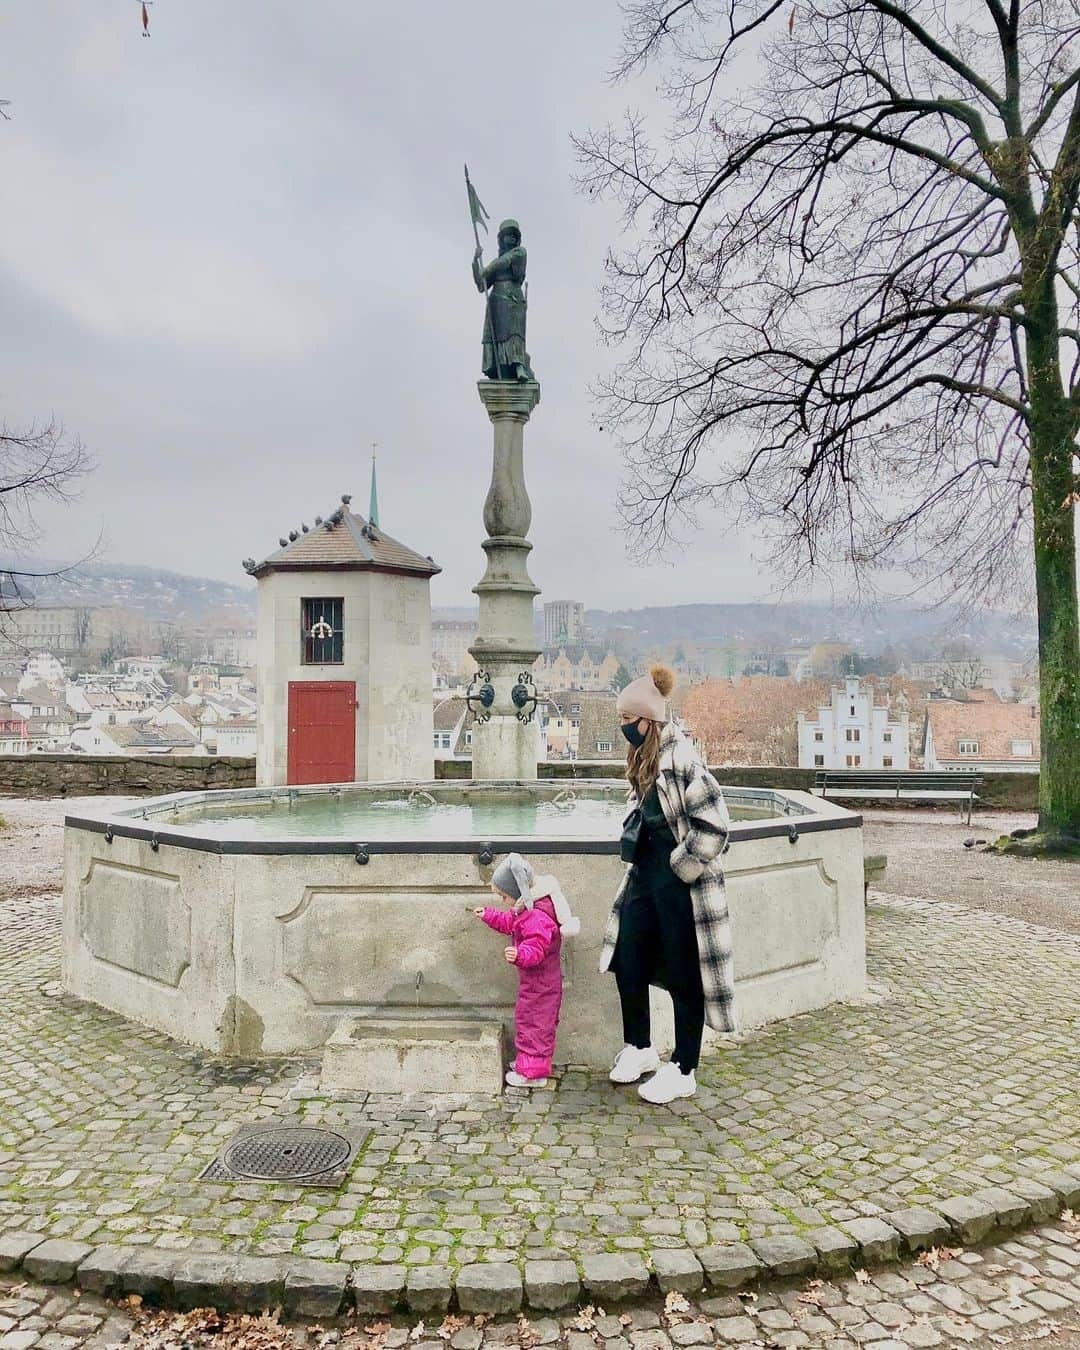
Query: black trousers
x=658 y=945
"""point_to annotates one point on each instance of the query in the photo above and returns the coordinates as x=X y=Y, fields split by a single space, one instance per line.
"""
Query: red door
x=322 y=731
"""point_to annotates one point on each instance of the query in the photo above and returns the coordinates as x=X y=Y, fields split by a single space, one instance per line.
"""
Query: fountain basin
x=396 y=1054
x=256 y=921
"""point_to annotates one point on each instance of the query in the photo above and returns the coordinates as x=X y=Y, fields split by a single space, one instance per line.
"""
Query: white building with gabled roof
x=853 y=732
x=344 y=656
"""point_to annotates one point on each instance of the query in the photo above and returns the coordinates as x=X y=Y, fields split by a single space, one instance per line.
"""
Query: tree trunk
x=1052 y=449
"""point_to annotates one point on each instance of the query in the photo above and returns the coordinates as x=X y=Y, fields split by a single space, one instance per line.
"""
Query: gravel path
x=32 y=841
x=927 y=857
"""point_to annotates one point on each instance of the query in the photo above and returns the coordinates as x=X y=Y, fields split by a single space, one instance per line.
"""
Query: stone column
x=506 y=644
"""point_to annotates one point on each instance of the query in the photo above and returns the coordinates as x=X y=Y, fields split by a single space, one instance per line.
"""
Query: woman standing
x=669 y=922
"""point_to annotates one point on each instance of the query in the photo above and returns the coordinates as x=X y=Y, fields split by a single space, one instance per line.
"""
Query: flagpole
x=472 y=216
x=487 y=298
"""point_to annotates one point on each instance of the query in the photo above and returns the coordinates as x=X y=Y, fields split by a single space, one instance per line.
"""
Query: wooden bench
x=899 y=785
x=873 y=866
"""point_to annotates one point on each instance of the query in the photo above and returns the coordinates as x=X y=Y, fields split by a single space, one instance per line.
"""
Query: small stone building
x=344 y=656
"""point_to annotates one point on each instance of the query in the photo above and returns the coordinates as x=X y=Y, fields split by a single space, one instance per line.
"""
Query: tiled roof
x=189 y=715
x=345 y=539
x=132 y=735
x=42 y=695
x=101 y=699
x=994 y=725
x=461 y=746
x=448 y=714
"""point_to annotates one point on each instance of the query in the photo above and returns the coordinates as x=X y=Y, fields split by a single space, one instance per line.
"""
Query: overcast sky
x=236 y=253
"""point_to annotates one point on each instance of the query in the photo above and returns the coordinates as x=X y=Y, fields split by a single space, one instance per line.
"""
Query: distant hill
x=869 y=631
x=160 y=595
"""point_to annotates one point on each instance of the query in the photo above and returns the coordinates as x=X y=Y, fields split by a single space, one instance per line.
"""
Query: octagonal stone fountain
x=255 y=922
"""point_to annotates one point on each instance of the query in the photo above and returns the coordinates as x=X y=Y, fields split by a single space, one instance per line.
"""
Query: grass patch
x=1040 y=845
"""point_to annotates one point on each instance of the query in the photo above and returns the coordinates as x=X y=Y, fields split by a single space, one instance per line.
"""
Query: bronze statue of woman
x=505 y=357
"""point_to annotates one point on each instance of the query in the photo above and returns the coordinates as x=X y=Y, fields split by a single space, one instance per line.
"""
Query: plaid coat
x=694 y=806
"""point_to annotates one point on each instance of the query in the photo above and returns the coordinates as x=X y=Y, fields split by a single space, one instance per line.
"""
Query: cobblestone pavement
x=961 y=1072
x=1025 y=1291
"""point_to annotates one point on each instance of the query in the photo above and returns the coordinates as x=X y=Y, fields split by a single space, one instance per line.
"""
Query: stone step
x=414 y=1054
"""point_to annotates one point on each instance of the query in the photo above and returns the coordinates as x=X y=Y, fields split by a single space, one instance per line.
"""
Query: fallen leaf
x=417 y=1332
x=933 y=1258
x=862 y=1276
x=675 y=1303
x=585 y=1319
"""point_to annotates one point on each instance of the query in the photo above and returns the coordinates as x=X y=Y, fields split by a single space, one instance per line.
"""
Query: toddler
x=536 y=923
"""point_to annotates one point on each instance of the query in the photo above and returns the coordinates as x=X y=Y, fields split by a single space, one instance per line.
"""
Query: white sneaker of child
x=632 y=1064
x=668 y=1083
x=518 y=1080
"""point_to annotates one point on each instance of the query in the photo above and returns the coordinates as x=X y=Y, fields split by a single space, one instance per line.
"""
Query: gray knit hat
x=513 y=877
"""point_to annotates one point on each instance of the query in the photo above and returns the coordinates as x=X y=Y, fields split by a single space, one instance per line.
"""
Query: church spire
x=373 y=507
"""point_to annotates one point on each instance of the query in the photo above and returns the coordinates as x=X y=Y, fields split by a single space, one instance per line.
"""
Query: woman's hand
x=479 y=911
x=511 y=955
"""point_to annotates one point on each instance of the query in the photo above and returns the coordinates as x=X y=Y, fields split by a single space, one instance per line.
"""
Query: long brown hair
x=643 y=761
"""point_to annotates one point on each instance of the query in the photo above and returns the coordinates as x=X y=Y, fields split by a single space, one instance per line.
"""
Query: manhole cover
x=302 y=1154
x=291 y=1153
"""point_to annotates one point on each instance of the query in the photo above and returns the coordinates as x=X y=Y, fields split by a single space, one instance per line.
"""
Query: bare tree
x=752 y=721
x=35 y=466
x=853 y=307
x=961 y=666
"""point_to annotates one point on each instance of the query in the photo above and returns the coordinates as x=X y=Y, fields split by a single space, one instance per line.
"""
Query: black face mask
x=633 y=733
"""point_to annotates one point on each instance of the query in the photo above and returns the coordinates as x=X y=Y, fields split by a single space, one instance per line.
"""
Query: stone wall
x=86 y=775
x=119 y=775
x=1001 y=791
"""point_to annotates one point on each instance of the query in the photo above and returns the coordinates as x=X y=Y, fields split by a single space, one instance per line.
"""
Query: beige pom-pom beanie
x=646 y=697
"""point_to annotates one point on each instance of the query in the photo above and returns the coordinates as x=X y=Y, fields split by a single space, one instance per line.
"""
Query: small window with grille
x=321 y=631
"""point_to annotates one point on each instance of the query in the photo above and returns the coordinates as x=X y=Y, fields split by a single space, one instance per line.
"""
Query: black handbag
x=631 y=830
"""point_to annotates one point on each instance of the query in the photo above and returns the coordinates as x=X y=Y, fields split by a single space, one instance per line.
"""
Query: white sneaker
x=668 y=1083
x=632 y=1064
x=515 y=1079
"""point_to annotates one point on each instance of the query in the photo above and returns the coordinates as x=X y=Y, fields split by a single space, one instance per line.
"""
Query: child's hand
x=511 y=955
x=479 y=911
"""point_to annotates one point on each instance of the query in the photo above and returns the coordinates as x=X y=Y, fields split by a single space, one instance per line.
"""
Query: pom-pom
x=664 y=679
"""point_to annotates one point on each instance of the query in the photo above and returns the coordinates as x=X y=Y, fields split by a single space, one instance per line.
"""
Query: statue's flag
x=476 y=208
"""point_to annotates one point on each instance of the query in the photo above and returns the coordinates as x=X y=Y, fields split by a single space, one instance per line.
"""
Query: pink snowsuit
x=535 y=933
